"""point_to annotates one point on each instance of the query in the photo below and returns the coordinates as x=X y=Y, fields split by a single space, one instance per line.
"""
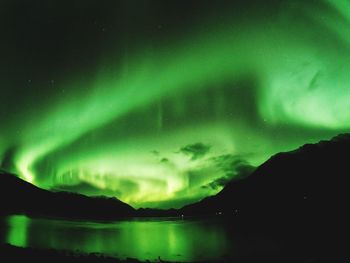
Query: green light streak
x=17 y=226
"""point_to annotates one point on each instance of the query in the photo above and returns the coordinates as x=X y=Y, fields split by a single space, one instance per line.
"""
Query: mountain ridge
x=301 y=187
x=298 y=180
x=20 y=197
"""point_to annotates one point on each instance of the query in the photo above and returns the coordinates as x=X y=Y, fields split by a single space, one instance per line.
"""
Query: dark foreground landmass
x=9 y=253
x=20 y=197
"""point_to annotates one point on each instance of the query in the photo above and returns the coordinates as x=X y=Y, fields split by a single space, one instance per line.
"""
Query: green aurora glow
x=166 y=119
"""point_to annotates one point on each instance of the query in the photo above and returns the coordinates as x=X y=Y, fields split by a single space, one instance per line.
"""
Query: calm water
x=171 y=239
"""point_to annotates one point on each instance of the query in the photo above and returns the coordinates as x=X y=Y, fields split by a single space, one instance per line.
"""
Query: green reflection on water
x=17 y=232
x=184 y=240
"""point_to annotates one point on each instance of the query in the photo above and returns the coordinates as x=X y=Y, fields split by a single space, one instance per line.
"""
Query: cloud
x=234 y=165
x=233 y=168
x=196 y=150
x=164 y=160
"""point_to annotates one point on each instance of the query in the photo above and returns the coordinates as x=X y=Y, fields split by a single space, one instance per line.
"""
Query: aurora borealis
x=160 y=103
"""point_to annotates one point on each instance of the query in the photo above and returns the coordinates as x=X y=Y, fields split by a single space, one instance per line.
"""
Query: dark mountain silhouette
x=300 y=196
x=18 y=196
x=154 y=212
x=302 y=186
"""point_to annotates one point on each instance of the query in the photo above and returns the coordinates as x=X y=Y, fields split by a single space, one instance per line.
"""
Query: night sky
x=160 y=103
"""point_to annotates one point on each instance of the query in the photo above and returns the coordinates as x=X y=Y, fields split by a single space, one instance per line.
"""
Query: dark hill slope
x=307 y=184
x=18 y=196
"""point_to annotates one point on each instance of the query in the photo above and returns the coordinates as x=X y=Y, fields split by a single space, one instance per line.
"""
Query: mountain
x=18 y=196
x=305 y=186
x=300 y=190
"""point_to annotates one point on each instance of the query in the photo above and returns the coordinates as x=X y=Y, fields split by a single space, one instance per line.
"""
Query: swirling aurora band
x=166 y=125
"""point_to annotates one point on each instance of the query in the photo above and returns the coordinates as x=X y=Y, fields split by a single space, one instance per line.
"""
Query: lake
x=174 y=239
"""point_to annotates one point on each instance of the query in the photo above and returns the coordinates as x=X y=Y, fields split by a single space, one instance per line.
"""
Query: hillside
x=301 y=191
x=18 y=196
